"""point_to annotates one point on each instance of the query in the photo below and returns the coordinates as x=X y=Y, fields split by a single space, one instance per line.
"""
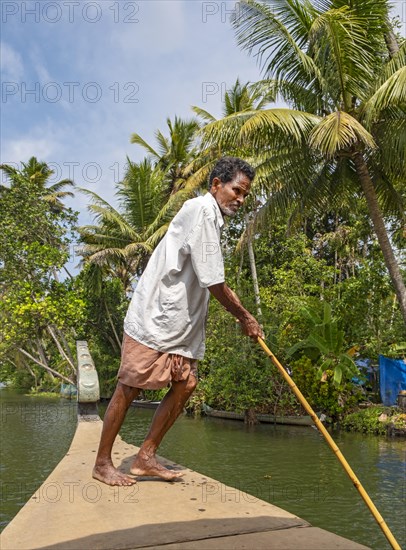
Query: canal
x=291 y=467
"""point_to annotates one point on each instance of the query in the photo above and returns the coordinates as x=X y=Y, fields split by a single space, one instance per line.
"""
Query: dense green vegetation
x=316 y=255
x=375 y=420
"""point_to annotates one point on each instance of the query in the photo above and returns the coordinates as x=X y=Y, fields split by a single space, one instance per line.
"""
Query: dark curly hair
x=228 y=167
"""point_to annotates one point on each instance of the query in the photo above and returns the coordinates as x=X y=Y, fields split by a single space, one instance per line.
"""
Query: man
x=164 y=329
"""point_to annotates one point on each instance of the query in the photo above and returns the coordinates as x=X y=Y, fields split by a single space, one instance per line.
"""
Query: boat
x=145 y=404
x=268 y=418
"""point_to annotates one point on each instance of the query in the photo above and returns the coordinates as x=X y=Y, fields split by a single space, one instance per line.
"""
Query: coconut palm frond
x=203 y=114
x=391 y=93
x=223 y=132
x=132 y=249
x=106 y=256
x=154 y=239
x=391 y=138
x=339 y=131
x=272 y=125
x=138 y=140
x=140 y=193
x=341 y=34
x=275 y=34
x=95 y=198
x=60 y=184
x=109 y=217
x=37 y=174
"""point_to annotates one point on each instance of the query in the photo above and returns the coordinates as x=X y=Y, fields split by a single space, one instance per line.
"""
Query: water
x=291 y=467
x=36 y=432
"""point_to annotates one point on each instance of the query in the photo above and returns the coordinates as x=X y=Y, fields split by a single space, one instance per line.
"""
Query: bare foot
x=149 y=466
x=110 y=475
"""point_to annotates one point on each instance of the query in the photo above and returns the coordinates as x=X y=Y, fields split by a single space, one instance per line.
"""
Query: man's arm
x=229 y=299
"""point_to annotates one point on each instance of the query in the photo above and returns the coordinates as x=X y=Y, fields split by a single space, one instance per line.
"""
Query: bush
x=367 y=420
x=325 y=396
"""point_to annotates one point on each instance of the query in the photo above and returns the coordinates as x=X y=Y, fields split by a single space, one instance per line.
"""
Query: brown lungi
x=146 y=368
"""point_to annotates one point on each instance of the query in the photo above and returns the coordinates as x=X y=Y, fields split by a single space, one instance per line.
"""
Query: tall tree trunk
x=391 y=43
x=240 y=268
x=253 y=266
x=41 y=351
x=380 y=230
x=112 y=324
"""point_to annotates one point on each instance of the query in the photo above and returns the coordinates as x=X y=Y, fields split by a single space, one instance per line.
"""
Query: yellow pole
x=357 y=484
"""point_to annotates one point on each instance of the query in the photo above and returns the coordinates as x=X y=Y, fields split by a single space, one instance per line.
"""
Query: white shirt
x=168 y=310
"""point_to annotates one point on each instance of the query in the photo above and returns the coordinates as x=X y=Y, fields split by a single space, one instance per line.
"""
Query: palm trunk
x=68 y=273
x=240 y=268
x=253 y=266
x=391 y=43
x=41 y=351
x=112 y=324
x=380 y=230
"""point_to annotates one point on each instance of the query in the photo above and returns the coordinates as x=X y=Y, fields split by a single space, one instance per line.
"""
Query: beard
x=228 y=211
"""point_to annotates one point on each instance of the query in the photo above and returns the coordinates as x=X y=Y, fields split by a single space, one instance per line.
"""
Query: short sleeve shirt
x=168 y=309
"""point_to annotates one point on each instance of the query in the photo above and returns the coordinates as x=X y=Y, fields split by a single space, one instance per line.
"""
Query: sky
x=79 y=77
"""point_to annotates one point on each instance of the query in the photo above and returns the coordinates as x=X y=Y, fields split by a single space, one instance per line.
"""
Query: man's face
x=231 y=195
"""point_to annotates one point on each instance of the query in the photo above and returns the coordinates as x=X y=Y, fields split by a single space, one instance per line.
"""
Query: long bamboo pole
x=356 y=482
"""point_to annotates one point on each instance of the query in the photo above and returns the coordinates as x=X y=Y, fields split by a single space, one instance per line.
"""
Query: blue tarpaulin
x=392 y=379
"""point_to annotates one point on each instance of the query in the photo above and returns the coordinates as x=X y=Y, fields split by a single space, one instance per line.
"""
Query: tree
x=245 y=98
x=122 y=240
x=39 y=173
x=344 y=133
x=173 y=154
x=239 y=98
x=38 y=312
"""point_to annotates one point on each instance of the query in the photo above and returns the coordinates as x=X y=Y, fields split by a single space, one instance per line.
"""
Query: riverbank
x=377 y=420
x=371 y=418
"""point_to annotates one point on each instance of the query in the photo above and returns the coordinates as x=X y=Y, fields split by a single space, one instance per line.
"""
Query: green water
x=291 y=467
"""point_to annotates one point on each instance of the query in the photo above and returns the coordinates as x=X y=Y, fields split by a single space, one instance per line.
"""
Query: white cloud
x=22 y=149
x=41 y=71
x=11 y=63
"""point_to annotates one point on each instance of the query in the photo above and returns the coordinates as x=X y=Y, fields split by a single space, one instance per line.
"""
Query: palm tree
x=151 y=193
x=344 y=130
x=38 y=174
x=121 y=240
x=244 y=98
x=240 y=98
x=173 y=154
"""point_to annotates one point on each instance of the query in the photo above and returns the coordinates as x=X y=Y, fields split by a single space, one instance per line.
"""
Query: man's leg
x=145 y=463
x=112 y=422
